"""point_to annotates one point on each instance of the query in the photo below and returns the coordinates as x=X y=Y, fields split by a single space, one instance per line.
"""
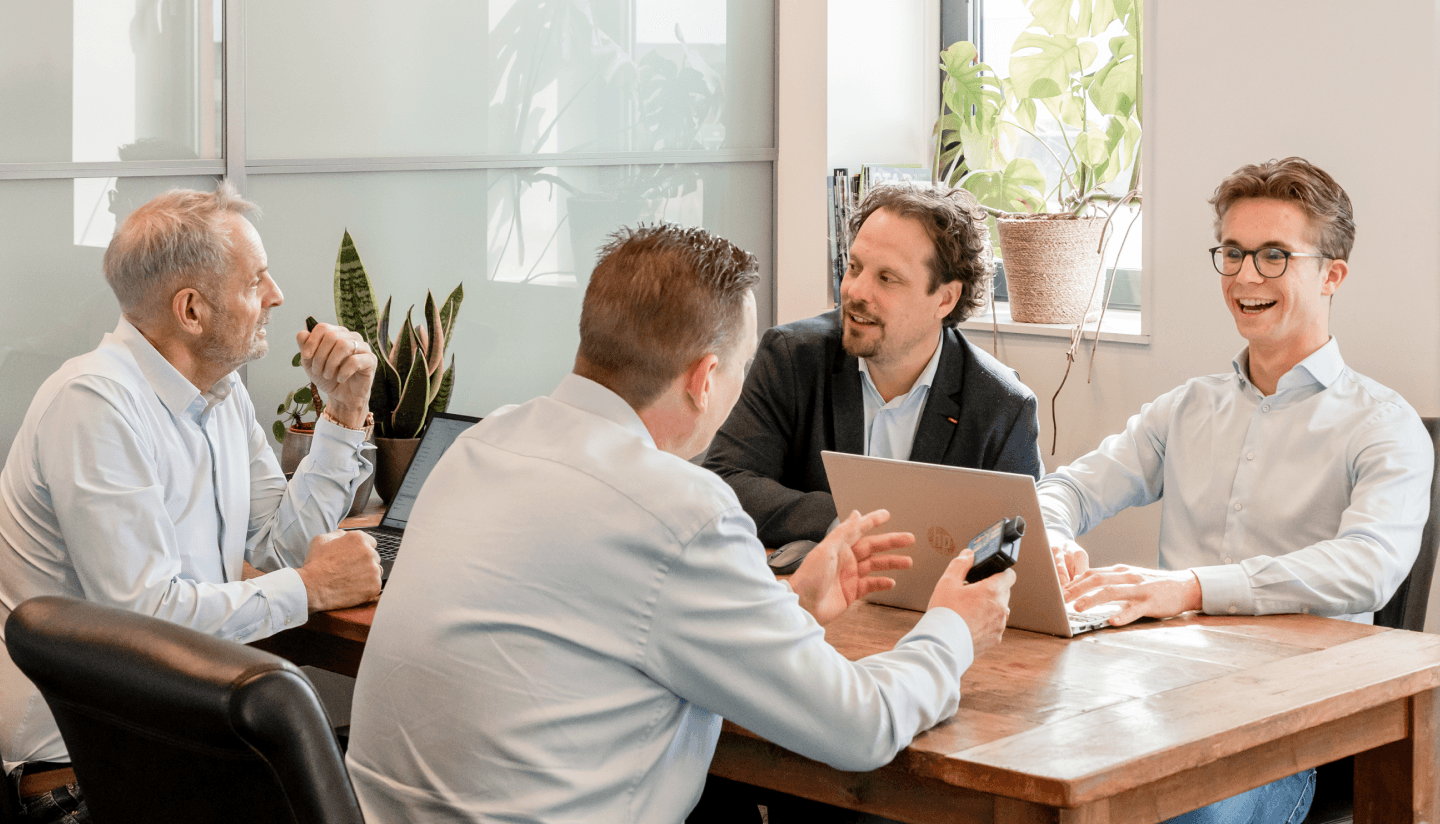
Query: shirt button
x=1249 y=456
x=1239 y=507
x=1228 y=561
x=1265 y=408
x=1232 y=610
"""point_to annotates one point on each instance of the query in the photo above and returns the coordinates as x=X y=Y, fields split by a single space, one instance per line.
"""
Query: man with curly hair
x=885 y=374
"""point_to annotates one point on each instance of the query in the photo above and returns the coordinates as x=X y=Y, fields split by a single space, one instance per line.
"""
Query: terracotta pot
x=294 y=449
x=297 y=445
x=394 y=458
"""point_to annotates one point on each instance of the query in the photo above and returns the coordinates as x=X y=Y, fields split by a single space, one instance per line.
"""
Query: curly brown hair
x=955 y=223
x=1295 y=180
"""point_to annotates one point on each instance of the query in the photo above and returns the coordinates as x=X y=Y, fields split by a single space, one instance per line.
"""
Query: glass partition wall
x=491 y=143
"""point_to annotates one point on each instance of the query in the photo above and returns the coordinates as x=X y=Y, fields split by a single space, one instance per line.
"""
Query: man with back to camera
x=576 y=605
x=886 y=374
x=1291 y=483
x=141 y=479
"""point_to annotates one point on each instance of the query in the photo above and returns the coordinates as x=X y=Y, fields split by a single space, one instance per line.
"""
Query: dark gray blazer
x=803 y=396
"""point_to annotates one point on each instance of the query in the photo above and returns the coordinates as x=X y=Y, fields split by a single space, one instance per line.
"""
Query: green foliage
x=303 y=401
x=409 y=388
x=1052 y=65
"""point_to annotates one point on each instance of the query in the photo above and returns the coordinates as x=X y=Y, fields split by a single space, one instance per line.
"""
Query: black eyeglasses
x=1270 y=262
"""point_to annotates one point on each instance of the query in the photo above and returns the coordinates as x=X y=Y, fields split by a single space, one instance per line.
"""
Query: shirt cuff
x=946 y=625
x=1225 y=590
x=285 y=594
x=334 y=446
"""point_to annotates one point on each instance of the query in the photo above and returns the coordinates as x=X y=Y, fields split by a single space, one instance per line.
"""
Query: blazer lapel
x=847 y=406
x=938 y=421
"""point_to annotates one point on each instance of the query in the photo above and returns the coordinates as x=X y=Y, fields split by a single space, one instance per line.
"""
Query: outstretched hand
x=838 y=570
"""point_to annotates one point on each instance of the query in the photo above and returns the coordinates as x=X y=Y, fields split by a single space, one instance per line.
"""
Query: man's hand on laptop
x=1152 y=593
x=1071 y=559
x=838 y=570
x=984 y=605
x=342 y=570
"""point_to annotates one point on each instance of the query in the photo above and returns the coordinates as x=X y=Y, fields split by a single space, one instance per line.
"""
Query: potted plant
x=410 y=386
x=295 y=437
x=1083 y=109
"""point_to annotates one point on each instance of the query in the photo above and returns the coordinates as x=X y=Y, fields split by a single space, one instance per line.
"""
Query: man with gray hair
x=579 y=605
x=141 y=479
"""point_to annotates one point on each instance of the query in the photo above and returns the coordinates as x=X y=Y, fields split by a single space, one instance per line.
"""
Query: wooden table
x=1135 y=724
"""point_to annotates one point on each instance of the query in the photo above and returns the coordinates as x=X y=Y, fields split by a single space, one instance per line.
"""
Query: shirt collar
x=927 y=376
x=1323 y=366
x=173 y=389
x=598 y=399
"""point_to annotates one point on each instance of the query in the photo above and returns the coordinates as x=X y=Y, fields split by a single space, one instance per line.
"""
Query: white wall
x=1219 y=94
x=800 y=137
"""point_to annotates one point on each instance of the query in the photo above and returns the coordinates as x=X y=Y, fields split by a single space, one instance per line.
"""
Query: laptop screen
x=442 y=431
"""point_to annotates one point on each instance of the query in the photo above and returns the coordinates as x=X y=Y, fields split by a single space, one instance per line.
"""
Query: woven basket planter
x=1050 y=266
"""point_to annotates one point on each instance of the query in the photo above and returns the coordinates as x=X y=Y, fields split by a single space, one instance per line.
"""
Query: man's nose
x=275 y=296
x=1248 y=271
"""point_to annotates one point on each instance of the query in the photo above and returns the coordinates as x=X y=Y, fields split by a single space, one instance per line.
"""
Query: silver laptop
x=945 y=507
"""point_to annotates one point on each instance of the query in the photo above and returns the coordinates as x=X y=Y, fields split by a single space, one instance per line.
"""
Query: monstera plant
x=410 y=386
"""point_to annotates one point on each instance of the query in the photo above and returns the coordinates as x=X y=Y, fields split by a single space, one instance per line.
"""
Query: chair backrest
x=1406 y=609
x=164 y=723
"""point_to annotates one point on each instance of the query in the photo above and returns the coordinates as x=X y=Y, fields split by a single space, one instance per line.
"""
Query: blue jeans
x=62 y=805
x=1280 y=802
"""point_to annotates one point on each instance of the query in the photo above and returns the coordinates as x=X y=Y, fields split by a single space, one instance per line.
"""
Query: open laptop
x=442 y=431
x=945 y=507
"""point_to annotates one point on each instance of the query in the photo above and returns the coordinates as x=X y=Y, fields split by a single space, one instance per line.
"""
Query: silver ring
x=354 y=347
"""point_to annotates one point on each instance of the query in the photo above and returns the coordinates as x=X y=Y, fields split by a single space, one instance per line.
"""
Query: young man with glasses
x=1291 y=483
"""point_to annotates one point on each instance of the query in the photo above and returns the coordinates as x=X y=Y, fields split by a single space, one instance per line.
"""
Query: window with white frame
x=994 y=26
x=495 y=143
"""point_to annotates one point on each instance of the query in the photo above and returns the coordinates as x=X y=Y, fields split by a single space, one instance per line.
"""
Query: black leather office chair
x=167 y=724
x=1335 y=782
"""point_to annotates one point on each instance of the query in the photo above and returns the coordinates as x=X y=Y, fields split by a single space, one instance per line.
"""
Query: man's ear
x=698 y=382
x=191 y=311
x=949 y=294
x=1333 y=278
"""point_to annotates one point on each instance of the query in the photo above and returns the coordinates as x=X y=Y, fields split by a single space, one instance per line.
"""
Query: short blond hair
x=1294 y=180
x=177 y=240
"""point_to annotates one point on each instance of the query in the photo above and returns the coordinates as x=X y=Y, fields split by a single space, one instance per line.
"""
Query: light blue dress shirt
x=1308 y=500
x=571 y=614
x=128 y=487
x=890 y=427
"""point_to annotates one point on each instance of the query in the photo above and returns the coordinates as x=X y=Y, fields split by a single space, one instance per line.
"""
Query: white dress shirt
x=890 y=427
x=1308 y=500
x=129 y=487
x=571 y=614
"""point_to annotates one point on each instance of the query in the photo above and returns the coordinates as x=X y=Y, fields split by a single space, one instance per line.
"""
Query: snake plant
x=409 y=387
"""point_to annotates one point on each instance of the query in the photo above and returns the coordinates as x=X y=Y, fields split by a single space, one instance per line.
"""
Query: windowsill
x=1121 y=326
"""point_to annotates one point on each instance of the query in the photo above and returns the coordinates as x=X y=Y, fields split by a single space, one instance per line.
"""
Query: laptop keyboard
x=386 y=544
x=1092 y=618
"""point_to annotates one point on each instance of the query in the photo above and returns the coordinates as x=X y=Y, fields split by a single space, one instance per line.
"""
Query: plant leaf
x=405 y=351
x=354 y=294
x=278 y=428
x=383 y=333
x=1019 y=187
x=451 y=309
x=1054 y=15
x=972 y=91
x=1114 y=88
x=441 y=392
x=302 y=395
x=435 y=346
x=384 y=394
x=1046 y=72
x=414 y=398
